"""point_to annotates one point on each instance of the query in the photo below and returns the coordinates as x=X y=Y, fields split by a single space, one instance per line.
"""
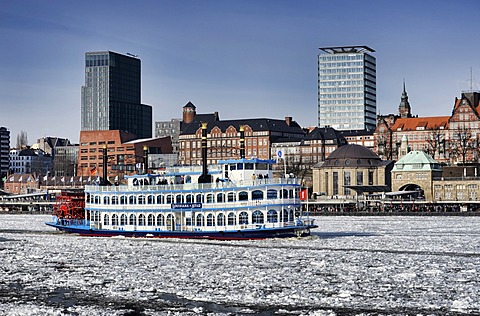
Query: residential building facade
x=347 y=88
x=224 y=137
x=28 y=160
x=453 y=139
x=111 y=96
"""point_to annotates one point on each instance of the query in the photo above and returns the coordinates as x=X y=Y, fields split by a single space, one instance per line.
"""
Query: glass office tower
x=111 y=95
x=347 y=88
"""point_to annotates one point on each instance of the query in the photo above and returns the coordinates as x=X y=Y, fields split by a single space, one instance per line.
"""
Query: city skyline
x=245 y=59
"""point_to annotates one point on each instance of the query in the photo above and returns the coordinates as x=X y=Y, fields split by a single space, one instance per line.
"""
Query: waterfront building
x=111 y=96
x=125 y=153
x=351 y=170
x=415 y=171
x=347 y=88
x=65 y=160
x=28 y=160
x=4 y=152
x=224 y=136
x=453 y=139
x=170 y=128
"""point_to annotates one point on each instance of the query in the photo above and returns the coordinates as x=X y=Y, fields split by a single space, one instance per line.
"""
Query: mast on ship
x=204 y=177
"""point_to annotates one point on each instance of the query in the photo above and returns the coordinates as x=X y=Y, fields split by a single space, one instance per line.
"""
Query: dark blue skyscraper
x=111 y=98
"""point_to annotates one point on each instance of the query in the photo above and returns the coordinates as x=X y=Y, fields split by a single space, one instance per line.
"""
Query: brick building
x=124 y=152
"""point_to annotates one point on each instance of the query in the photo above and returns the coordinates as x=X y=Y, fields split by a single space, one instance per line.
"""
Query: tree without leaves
x=22 y=140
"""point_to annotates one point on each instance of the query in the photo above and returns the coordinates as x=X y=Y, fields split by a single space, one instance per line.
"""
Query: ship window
x=106 y=220
x=221 y=219
x=285 y=216
x=97 y=199
x=189 y=198
x=272 y=194
x=199 y=198
x=150 y=220
x=200 y=220
x=169 y=199
x=141 y=199
x=210 y=198
x=106 y=200
x=220 y=197
x=123 y=199
x=291 y=194
x=231 y=197
x=257 y=195
x=160 y=199
x=243 y=218
x=170 y=221
x=141 y=220
x=161 y=220
x=231 y=219
x=284 y=194
x=272 y=216
x=132 y=220
x=150 y=199
x=123 y=220
x=132 y=199
x=210 y=220
x=115 y=199
x=179 y=198
x=257 y=217
x=249 y=166
x=115 y=220
x=243 y=196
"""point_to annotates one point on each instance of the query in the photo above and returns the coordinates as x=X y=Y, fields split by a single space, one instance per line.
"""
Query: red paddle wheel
x=70 y=205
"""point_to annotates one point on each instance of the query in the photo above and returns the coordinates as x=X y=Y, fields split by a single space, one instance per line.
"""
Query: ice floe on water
x=349 y=266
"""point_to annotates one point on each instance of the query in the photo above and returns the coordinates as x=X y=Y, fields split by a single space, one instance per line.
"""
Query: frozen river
x=350 y=266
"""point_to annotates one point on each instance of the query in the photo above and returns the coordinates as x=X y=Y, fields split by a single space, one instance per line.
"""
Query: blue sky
x=241 y=58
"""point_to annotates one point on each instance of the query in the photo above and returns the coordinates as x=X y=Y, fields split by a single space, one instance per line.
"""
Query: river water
x=349 y=266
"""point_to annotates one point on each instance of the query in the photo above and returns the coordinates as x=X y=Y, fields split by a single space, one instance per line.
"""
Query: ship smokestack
x=242 y=142
x=105 y=166
x=145 y=159
x=204 y=177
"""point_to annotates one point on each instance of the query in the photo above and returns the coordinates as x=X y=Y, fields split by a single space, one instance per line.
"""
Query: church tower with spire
x=404 y=109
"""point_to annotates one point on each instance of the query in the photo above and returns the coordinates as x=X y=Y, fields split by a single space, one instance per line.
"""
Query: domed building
x=350 y=170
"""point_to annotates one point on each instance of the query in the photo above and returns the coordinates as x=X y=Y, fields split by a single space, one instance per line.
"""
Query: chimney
x=288 y=120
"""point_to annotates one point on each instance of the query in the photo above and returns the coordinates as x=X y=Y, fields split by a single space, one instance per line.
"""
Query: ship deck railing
x=195 y=186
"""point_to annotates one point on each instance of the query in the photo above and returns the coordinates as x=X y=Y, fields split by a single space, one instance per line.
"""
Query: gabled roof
x=412 y=123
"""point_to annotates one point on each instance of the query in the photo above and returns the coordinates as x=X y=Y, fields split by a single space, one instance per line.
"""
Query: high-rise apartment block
x=111 y=97
x=347 y=88
x=4 y=152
